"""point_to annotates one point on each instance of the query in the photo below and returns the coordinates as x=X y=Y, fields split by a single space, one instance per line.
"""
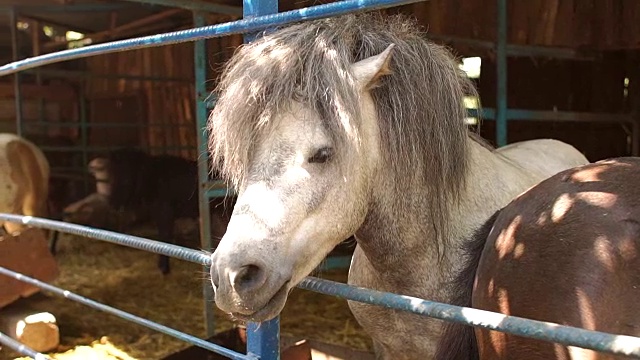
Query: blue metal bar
x=254 y=8
x=13 y=24
x=263 y=339
x=523 y=114
x=125 y=315
x=501 y=63
x=335 y=262
x=195 y=5
x=217 y=193
x=516 y=50
x=546 y=331
x=200 y=58
x=233 y=27
x=21 y=348
x=136 y=242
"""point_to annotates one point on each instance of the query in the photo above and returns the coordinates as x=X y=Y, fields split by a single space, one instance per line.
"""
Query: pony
x=564 y=251
x=354 y=125
x=24 y=175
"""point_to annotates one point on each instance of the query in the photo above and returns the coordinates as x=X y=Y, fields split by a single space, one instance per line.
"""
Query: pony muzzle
x=248 y=289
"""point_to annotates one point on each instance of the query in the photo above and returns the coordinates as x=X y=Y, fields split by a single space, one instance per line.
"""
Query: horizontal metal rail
x=157 y=247
x=546 y=331
x=254 y=24
x=553 y=115
x=124 y=315
x=21 y=348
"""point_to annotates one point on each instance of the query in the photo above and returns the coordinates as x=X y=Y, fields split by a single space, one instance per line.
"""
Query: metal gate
x=263 y=338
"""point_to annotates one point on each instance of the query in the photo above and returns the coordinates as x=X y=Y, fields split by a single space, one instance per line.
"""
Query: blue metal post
x=200 y=61
x=13 y=24
x=253 y=8
x=501 y=62
x=263 y=339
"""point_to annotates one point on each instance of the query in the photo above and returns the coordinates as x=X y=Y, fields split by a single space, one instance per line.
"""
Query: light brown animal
x=24 y=180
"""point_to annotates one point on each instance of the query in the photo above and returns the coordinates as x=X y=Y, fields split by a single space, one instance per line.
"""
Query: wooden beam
x=32 y=91
x=51 y=23
x=196 y=5
x=35 y=37
x=103 y=35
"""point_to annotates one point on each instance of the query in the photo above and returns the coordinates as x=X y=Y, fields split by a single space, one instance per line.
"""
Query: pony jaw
x=272 y=308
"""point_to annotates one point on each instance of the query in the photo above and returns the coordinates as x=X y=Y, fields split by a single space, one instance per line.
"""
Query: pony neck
x=400 y=239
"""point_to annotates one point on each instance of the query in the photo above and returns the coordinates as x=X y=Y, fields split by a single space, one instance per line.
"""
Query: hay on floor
x=128 y=279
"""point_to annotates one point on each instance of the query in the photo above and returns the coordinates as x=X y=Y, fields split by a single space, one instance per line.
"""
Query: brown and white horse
x=566 y=251
x=24 y=180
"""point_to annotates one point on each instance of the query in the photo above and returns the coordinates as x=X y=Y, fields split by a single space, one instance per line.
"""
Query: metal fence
x=263 y=338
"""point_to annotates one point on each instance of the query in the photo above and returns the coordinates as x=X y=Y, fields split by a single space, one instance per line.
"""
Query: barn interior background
x=571 y=73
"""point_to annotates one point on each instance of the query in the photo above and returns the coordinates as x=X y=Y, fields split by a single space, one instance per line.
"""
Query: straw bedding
x=128 y=279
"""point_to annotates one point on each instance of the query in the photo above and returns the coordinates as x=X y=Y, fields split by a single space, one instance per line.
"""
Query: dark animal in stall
x=565 y=251
x=165 y=186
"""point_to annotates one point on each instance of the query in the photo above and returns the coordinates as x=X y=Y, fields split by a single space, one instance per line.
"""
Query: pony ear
x=368 y=71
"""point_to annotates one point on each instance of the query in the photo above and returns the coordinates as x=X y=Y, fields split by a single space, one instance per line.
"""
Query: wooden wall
x=533 y=83
x=165 y=110
x=597 y=24
x=568 y=86
x=594 y=24
x=60 y=104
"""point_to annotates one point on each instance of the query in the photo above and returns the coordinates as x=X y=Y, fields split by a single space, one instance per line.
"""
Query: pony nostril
x=248 y=278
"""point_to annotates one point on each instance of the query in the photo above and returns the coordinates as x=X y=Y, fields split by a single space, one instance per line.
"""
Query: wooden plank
x=563 y=28
x=519 y=22
x=613 y=24
x=120 y=30
x=632 y=8
x=52 y=92
x=536 y=15
x=599 y=34
x=27 y=253
x=35 y=329
x=583 y=25
x=550 y=22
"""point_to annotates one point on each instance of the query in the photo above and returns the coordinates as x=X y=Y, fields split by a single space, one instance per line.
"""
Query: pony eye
x=321 y=156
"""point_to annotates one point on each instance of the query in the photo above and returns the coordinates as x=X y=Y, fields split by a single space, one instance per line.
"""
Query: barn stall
x=147 y=98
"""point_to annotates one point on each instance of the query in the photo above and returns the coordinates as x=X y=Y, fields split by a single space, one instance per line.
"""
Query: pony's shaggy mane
x=420 y=104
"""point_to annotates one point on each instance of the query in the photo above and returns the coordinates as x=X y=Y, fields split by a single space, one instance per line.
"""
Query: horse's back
x=565 y=251
x=545 y=157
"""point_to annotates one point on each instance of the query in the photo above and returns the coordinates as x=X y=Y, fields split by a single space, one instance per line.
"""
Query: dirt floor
x=129 y=280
